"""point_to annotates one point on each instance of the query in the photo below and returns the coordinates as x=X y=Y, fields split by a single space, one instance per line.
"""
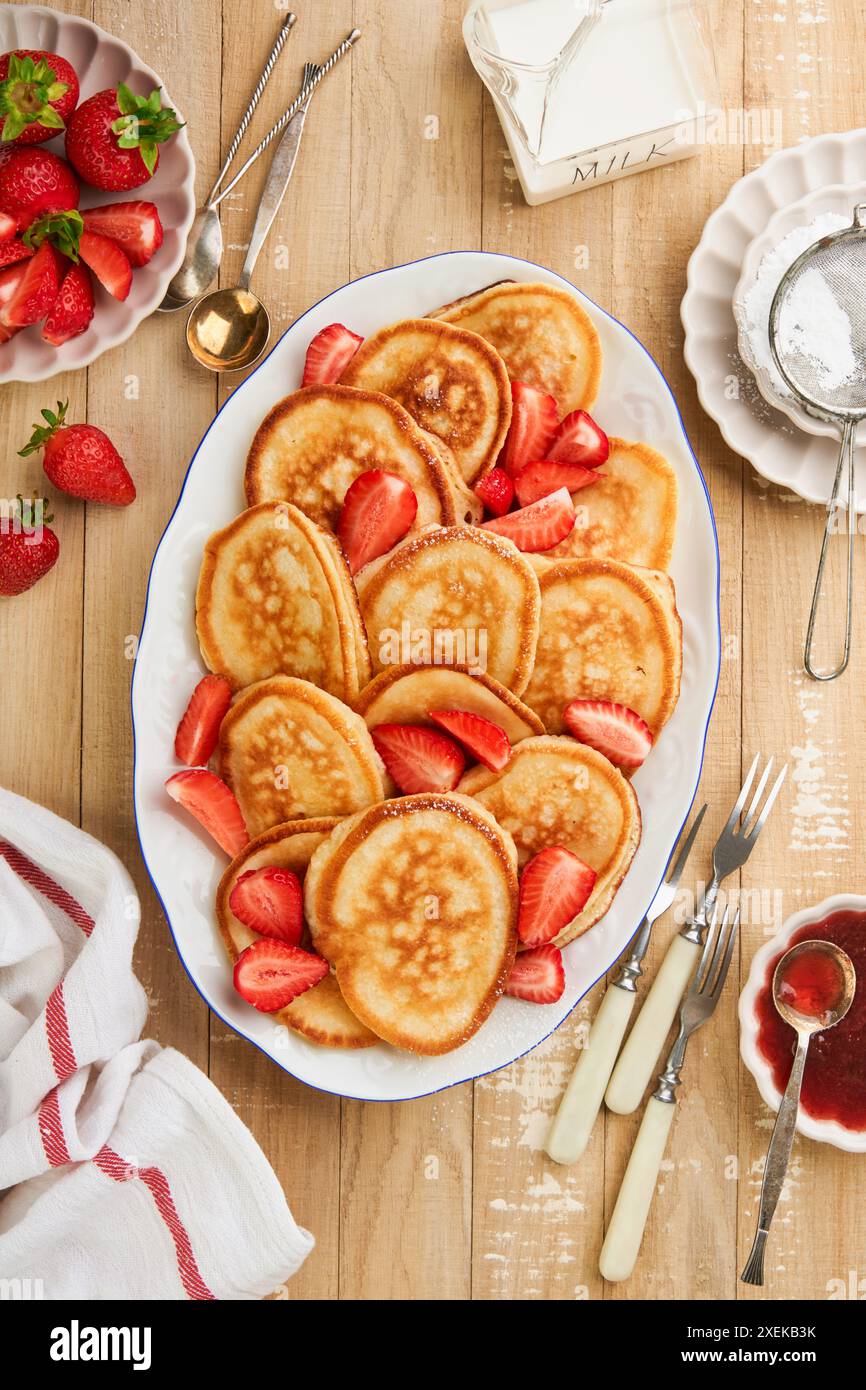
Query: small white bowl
x=825 y=1131
x=100 y=61
x=839 y=198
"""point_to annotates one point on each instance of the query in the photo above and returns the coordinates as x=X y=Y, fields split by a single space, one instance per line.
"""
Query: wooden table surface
x=451 y=1197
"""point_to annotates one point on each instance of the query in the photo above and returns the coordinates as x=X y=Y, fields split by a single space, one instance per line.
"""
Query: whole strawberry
x=113 y=138
x=28 y=547
x=34 y=182
x=81 y=460
x=38 y=93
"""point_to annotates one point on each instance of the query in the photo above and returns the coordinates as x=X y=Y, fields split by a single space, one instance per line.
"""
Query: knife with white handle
x=580 y=1104
x=639 y=1057
x=625 y=1231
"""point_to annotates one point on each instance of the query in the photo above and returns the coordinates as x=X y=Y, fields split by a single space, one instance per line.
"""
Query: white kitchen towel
x=125 y=1173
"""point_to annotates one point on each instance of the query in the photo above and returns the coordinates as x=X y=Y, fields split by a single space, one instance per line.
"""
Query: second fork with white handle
x=625 y=1231
x=639 y=1057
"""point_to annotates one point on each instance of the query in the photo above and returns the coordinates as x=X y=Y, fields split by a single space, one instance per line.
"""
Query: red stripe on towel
x=38 y=879
x=157 y=1185
x=51 y=1130
x=57 y=1030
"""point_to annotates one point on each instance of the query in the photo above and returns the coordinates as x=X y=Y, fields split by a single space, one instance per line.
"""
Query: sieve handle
x=846 y=451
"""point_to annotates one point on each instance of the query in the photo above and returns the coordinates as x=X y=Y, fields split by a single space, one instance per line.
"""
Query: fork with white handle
x=581 y=1101
x=639 y=1057
x=625 y=1232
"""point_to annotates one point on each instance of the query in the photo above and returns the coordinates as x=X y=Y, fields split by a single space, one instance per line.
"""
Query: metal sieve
x=801 y=334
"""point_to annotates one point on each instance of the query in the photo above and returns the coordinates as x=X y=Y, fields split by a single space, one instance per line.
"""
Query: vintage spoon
x=204 y=244
x=817 y=1021
x=229 y=329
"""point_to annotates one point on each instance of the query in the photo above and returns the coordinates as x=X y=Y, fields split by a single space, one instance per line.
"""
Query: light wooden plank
x=537 y=1225
x=806 y=67
x=298 y=1128
x=127 y=392
x=407 y=1169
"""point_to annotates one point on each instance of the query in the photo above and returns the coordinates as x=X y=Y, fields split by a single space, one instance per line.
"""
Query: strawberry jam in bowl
x=833 y=1099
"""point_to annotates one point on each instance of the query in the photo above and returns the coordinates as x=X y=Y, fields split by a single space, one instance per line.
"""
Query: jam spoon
x=812 y=1016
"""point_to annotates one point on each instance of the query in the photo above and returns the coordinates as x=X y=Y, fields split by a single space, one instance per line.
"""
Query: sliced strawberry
x=270 y=902
x=135 y=226
x=377 y=511
x=36 y=290
x=8 y=225
x=418 y=759
x=72 y=310
x=614 y=730
x=198 y=730
x=10 y=278
x=270 y=974
x=554 y=887
x=329 y=354
x=538 y=527
x=537 y=975
x=579 y=440
x=541 y=478
x=534 y=422
x=213 y=804
x=108 y=261
x=496 y=491
x=14 y=250
x=484 y=740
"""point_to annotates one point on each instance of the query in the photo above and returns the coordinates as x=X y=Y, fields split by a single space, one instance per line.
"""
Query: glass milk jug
x=591 y=90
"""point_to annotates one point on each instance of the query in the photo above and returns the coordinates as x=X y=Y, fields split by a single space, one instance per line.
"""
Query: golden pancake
x=320 y=1014
x=405 y=695
x=313 y=445
x=414 y=903
x=290 y=751
x=450 y=381
x=541 y=333
x=275 y=597
x=629 y=514
x=556 y=791
x=605 y=634
x=455 y=595
x=467 y=504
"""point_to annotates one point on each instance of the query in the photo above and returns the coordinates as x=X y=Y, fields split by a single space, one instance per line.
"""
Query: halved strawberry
x=378 y=509
x=8 y=225
x=37 y=289
x=537 y=975
x=270 y=902
x=484 y=740
x=10 y=278
x=329 y=354
x=213 y=804
x=199 y=728
x=72 y=310
x=418 y=759
x=14 y=250
x=135 y=226
x=108 y=261
x=534 y=422
x=554 y=887
x=541 y=478
x=579 y=440
x=614 y=730
x=496 y=491
x=538 y=527
x=270 y=974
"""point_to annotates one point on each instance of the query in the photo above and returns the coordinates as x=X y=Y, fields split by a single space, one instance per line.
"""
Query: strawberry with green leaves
x=66 y=231
x=80 y=460
x=113 y=138
x=34 y=182
x=38 y=93
x=28 y=546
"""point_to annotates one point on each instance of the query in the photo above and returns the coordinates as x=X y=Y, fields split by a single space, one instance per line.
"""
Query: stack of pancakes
x=413 y=899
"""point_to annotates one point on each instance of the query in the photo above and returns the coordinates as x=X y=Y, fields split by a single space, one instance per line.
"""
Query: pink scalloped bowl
x=825 y=1131
x=102 y=61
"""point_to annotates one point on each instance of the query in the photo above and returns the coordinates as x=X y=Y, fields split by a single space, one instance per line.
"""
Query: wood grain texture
x=451 y=1197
